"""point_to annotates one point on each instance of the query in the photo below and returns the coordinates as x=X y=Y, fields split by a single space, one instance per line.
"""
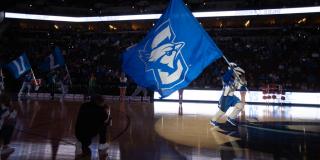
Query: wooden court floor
x=154 y=131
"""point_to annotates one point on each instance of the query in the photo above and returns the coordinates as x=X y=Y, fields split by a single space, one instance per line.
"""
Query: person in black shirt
x=51 y=80
x=92 y=120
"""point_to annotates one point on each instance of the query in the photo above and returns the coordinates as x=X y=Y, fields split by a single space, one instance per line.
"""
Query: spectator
x=290 y=49
x=123 y=86
x=92 y=85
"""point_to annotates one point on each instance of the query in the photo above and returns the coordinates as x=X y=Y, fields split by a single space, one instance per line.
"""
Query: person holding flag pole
x=233 y=79
x=29 y=79
x=51 y=62
x=26 y=84
x=35 y=81
x=19 y=67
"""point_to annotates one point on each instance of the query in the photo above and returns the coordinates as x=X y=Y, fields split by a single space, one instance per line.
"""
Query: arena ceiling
x=118 y=7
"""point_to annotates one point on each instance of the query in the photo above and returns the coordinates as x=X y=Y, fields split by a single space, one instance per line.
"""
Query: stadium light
x=259 y=12
x=306 y=98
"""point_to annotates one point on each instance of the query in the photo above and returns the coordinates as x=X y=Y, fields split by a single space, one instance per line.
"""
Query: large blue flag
x=173 y=53
x=19 y=66
x=53 y=61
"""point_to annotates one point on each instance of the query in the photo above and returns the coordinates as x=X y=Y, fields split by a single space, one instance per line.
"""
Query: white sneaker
x=103 y=146
x=214 y=123
x=231 y=121
x=78 y=148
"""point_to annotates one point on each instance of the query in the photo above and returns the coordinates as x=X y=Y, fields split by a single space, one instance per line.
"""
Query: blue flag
x=53 y=61
x=173 y=53
x=19 y=66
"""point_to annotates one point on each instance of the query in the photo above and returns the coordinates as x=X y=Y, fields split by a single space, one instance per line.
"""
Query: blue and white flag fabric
x=53 y=61
x=174 y=52
x=19 y=66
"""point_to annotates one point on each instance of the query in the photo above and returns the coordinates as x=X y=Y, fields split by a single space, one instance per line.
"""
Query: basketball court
x=165 y=130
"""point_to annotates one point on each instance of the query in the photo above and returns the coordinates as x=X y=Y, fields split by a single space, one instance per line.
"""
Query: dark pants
x=85 y=138
x=52 y=87
x=226 y=102
x=6 y=133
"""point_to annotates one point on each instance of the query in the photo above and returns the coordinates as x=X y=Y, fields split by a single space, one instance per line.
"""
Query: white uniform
x=231 y=83
x=26 y=85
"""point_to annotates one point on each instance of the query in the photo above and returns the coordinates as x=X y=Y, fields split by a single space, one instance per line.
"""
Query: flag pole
x=225 y=58
x=35 y=80
x=66 y=67
x=34 y=77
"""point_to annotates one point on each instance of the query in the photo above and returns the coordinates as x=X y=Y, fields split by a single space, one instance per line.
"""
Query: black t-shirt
x=90 y=119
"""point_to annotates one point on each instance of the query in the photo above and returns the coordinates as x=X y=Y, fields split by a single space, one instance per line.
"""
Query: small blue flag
x=19 y=66
x=173 y=54
x=53 y=61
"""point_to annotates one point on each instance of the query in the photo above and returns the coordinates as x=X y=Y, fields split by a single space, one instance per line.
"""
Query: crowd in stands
x=285 y=56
